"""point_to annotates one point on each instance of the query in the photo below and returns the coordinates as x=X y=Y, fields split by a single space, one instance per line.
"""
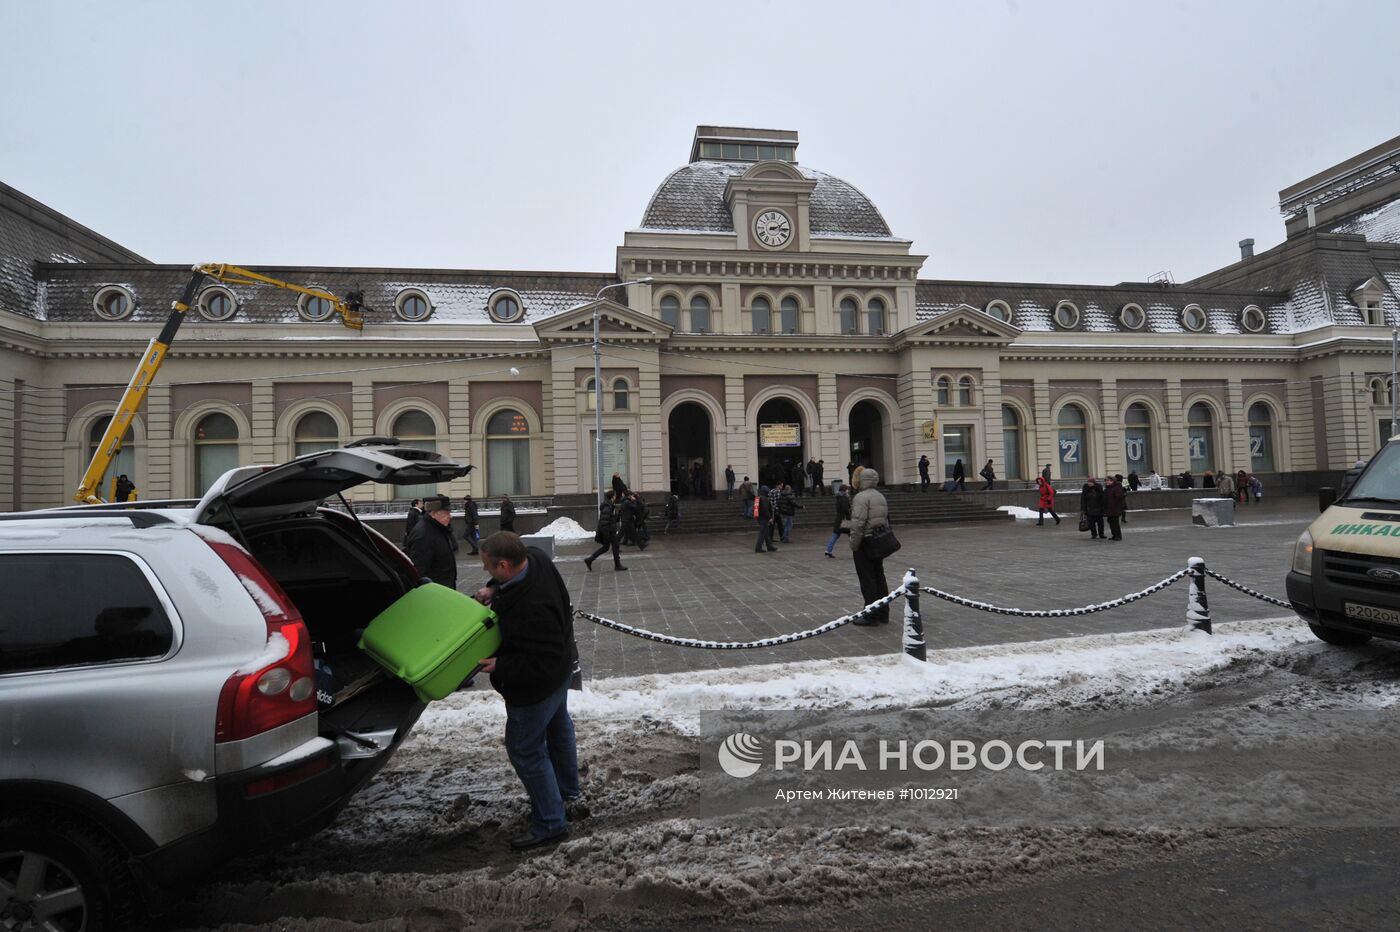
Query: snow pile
x=566 y=529
x=1019 y=513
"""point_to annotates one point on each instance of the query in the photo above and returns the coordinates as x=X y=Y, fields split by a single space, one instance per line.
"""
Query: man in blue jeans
x=531 y=671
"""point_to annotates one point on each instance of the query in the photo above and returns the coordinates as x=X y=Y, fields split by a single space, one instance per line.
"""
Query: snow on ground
x=1019 y=513
x=566 y=529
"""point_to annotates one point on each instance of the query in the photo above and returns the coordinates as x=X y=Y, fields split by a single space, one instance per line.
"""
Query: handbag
x=882 y=543
x=1084 y=522
x=845 y=525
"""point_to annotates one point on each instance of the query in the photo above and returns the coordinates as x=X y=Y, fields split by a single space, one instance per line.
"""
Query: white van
x=1345 y=579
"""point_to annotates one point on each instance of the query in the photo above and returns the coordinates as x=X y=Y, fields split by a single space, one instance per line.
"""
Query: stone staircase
x=906 y=507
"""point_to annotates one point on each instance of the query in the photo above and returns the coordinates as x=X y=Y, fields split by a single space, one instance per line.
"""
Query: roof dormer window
x=741 y=144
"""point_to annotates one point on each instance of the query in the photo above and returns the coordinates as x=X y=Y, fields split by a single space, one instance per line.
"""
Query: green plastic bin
x=433 y=638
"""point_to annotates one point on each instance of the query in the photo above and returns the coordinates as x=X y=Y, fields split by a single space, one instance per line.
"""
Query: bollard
x=913 y=622
x=1197 y=608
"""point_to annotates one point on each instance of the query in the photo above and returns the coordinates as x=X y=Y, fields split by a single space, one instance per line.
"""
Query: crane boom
x=350 y=309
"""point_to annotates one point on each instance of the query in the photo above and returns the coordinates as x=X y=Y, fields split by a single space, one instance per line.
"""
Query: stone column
x=830 y=447
x=652 y=453
x=1237 y=424
x=739 y=434
x=993 y=448
x=262 y=415
x=459 y=438
x=571 y=474
x=1047 y=444
x=1114 y=457
x=160 y=483
x=1176 y=452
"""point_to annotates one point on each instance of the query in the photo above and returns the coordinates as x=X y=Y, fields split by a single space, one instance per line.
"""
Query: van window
x=1382 y=477
x=67 y=609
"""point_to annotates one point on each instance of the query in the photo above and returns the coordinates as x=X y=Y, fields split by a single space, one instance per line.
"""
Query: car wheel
x=58 y=874
x=1337 y=636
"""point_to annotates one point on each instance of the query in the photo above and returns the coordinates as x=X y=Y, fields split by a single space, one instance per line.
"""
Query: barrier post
x=913 y=622
x=1197 y=607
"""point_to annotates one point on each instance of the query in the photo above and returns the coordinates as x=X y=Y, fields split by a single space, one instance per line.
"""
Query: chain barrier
x=1054 y=612
x=741 y=645
x=1248 y=591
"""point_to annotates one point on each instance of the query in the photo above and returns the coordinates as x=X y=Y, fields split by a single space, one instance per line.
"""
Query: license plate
x=1385 y=616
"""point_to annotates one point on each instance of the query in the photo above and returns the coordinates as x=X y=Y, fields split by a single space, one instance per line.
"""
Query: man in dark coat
x=410 y=520
x=531 y=671
x=764 y=521
x=923 y=473
x=842 y=524
x=124 y=488
x=673 y=513
x=1115 y=504
x=507 y=514
x=430 y=545
x=608 y=534
x=729 y=482
x=818 y=474
x=618 y=486
x=1091 y=503
x=787 y=510
x=472 y=516
x=799 y=480
x=958 y=477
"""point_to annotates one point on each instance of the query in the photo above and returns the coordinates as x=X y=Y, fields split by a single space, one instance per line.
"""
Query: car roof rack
x=140 y=519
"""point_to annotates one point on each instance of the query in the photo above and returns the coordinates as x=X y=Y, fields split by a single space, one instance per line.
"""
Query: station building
x=783 y=321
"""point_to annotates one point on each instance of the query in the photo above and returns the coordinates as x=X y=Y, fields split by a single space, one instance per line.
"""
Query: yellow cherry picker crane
x=349 y=309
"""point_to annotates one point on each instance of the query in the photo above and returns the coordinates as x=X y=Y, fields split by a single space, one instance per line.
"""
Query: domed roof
x=691 y=200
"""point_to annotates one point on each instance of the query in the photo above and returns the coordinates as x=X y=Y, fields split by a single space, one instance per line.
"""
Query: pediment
x=1372 y=287
x=963 y=322
x=618 y=321
x=774 y=169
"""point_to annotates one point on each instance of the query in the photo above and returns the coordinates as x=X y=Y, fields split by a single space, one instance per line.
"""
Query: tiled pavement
x=716 y=587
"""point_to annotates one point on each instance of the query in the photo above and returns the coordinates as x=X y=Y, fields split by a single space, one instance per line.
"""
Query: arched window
x=1137 y=438
x=1011 y=442
x=1261 y=438
x=945 y=390
x=415 y=430
x=1380 y=392
x=789 y=314
x=671 y=311
x=762 y=316
x=1200 y=438
x=965 y=392
x=314 y=432
x=847 y=322
x=125 y=462
x=215 y=449
x=875 y=317
x=590 y=395
x=507 y=454
x=700 y=314
x=1074 y=452
x=620 y=395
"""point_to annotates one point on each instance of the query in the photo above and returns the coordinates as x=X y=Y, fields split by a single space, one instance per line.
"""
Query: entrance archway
x=867 y=430
x=777 y=451
x=689 y=431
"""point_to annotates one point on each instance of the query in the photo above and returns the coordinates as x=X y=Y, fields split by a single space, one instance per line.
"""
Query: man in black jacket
x=765 y=521
x=531 y=671
x=471 y=515
x=608 y=533
x=430 y=545
x=507 y=514
x=410 y=521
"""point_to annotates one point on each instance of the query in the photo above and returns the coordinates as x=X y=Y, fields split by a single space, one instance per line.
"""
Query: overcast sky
x=1009 y=139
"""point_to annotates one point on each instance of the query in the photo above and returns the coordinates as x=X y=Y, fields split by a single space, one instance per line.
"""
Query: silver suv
x=179 y=681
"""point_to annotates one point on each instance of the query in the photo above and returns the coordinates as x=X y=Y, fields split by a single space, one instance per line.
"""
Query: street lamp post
x=598 y=384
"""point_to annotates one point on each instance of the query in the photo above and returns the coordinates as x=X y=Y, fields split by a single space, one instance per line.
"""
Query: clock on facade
x=773 y=228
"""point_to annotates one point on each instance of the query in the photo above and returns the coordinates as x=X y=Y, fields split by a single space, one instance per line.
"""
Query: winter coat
x=673 y=507
x=607 y=523
x=1047 y=495
x=124 y=489
x=843 y=513
x=1091 y=500
x=958 y=471
x=1115 y=500
x=507 y=516
x=869 y=510
x=728 y=476
x=618 y=485
x=410 y=522
x=787 y=503
x=471 y=512
x=430 y=546
x=988 y=473
x=1226 y=485
x=765 y=505
x=537 y=634
x=746 y=491
x=798 y=476
x=923 y=467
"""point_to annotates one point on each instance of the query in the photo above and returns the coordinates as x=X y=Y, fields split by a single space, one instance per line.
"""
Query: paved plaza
x=716 y=587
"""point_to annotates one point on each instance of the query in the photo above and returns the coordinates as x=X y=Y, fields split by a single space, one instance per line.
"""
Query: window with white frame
x=944 y=387
x=113 y=302
x=1252 y=319
x=875 y=323
x=1000 y=310
x=412 y=305
x=700 y=314
x=216 y=303
x=762 y=312
x=846 y=316
x=671 y=311
x=788 y=314
x=965 y=392
x=416 y=430
x=215 y=449
x=1193 y=318
x=1066 y=315
x=1132 y=316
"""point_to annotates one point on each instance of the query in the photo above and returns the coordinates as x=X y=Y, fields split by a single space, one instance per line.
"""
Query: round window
x=113 y=303
x=1000 y=310
x=1193 y=318
x=1252 y=319
x=313 y=308
x=1132 y=317
x=217 y=304
x=506 y=307
x=1066 y=316
x=412 y=305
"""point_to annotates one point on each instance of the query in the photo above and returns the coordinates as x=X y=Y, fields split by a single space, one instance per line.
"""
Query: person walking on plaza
x=1047 y=500
x=775 y=519
x=869 y=513
x=1134 y=483
x=763 y=517
x=819 y=476
x=729 y=482
x=471 y=515
x=923 y=473
x=787 y=510
x=673 y=513
x=989 y=474
x=1154 y=481
x=507 y=514
x=1242 y=486
x=958 y=476
x=1045 y=473
x=842 y=525
x=1115 y=505
x=1225 y=485
x=607 y=534
x=430 y=544
x=532 y=670
x=410 y=520
x=1091 y=505
x=799 y=480
x=1256 y=489
x=637 y=511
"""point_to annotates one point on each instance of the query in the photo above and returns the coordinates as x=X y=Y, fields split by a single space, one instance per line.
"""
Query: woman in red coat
x=1047 y=500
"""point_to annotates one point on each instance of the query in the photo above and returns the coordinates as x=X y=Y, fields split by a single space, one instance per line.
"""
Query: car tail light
x=278 y=686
